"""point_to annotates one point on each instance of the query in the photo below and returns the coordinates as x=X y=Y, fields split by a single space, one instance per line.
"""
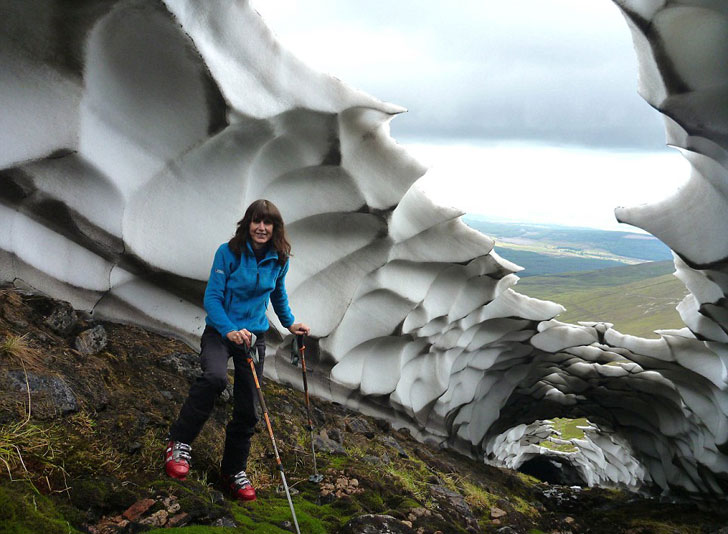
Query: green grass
x=637 y=299
x=24 y=511
x=567 y=429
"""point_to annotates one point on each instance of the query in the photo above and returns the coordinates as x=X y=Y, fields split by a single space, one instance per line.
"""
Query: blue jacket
x=239 y=288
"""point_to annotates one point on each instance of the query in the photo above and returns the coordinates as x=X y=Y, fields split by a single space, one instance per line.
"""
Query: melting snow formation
x=136 y=132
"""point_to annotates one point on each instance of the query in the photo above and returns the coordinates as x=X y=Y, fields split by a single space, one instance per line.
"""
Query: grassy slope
x=82 y=469
x=636 y=298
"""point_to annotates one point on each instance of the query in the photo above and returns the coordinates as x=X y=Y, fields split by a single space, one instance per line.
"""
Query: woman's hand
x=239 y=337
x=299 y=329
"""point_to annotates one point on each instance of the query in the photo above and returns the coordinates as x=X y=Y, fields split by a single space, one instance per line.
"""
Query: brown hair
x=262 y=209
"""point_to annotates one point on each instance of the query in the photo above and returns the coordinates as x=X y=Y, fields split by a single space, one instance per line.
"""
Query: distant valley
x=549 y=249
x=618 y=277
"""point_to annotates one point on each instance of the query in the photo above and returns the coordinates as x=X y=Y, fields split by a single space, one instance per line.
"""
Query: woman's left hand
x=299 y=329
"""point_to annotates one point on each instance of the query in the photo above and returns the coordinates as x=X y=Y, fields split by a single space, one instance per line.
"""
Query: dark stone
x=383 y=425
x=324 y=443
x=91 y=341
x=186 y=364
x=357 y=425
x=166 y=394
x=178 y=520
x=319 y=417
x=336 y=435
x=63 y=318
x=389 y=441
x=377 y=460
x=375 y=524
x=52 y=387
x=454 y=505
x=432 y=461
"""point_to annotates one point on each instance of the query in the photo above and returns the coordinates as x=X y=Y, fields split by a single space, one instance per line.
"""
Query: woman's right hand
x=239 y=337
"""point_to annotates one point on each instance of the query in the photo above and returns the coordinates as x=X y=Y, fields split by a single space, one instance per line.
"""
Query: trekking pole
x=316 y=477
x=252 y=353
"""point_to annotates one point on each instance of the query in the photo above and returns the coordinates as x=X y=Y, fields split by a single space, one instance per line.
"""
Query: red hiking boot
x=239 y=486
x=177 y=459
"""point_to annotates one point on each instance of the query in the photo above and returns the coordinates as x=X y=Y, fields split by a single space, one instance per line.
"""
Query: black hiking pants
x=195 y=411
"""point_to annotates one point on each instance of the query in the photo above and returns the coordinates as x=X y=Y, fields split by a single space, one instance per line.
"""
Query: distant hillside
x=619 y=277
x=543 y=263
x=637 y=299
x=624 y=244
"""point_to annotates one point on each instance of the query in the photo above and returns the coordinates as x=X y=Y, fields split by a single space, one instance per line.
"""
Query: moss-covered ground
x=82 y=471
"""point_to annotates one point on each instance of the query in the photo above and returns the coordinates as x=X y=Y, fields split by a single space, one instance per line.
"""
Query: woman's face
x=261 y=231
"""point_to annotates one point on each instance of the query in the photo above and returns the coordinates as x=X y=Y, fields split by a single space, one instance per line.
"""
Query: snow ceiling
x=135 y=132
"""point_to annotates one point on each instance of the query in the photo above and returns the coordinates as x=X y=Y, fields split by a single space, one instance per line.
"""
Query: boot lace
x=181 y=451
x=240 y=480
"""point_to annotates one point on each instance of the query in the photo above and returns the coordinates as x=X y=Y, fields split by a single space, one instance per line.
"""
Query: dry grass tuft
x=18 y=347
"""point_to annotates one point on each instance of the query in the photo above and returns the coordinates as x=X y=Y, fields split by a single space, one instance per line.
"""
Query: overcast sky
x=524 y=95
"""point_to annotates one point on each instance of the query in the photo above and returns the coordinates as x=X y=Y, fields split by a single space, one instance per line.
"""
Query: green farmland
x=637 y=299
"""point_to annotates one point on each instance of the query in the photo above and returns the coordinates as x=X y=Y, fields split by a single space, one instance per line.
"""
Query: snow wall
x=135 y=132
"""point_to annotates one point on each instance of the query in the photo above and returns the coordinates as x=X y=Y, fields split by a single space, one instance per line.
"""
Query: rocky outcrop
x=135 y=137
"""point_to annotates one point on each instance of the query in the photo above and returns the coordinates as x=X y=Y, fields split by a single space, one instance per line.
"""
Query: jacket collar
x=270 y=253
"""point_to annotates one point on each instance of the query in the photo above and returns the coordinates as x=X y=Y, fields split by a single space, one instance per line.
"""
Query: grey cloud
x=489 y=71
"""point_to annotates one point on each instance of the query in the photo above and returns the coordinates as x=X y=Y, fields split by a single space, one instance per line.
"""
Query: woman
x=246 y=273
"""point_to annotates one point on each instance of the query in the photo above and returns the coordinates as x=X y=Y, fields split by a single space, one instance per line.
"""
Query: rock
x=416 y=513
x=325 y=444
x=62 y=319
x=336 y=435
x=375 y=524
x=454 y=505
x=91 y=341
x=496 y=513
x=319 y=416
x=139 y=508
x=157 y=519
x=432 y=461
x=52 y=388
x=389 y=441
x=357 y=425
x=225 y=522
x=186 y=364
x=383 y=425
x=226 y=397
x=384 y=459
x=182 y=519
